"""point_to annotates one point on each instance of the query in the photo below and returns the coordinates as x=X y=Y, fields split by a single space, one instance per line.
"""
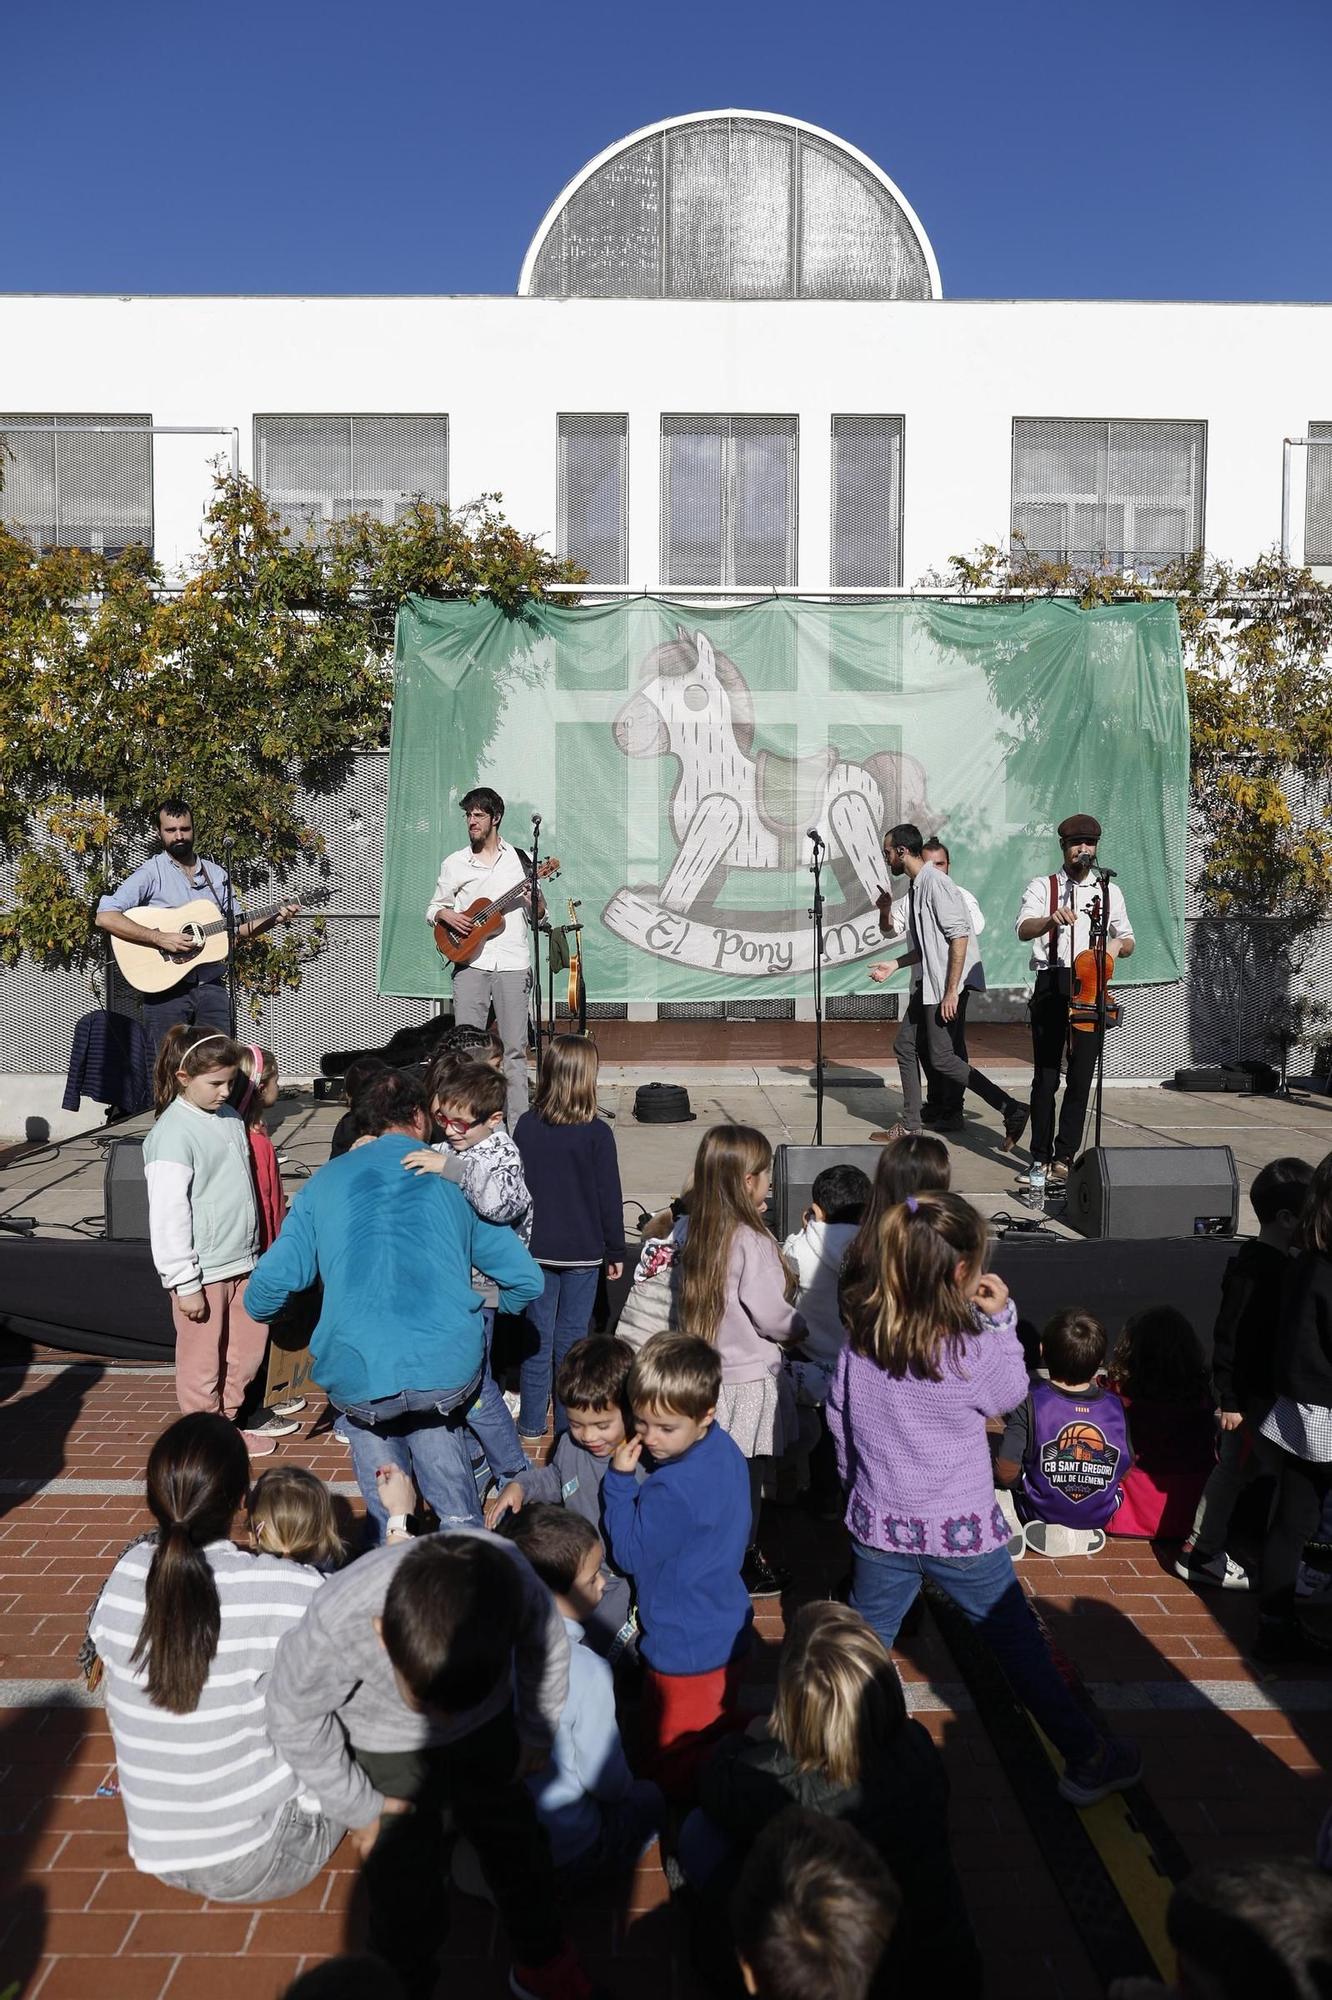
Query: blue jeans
x=628 y=1828
x=488 y=1418
x=884 y=1586
x=207 y=1005
x=558 y=1318
x=702 y=1849
x=425 y=1432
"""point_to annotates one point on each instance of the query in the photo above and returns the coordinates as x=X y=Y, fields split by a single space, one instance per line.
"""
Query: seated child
x=477 y=1152
x=814 y=1913
x=1243 y=1345
x=291 y=1514
x=836 y=1209
x=591 y=1385
x=1259 y=1927
x=600 y=1818
x=1065 y=1451
x=839 y=1742
x=1159 y=1371
x=682 y=1535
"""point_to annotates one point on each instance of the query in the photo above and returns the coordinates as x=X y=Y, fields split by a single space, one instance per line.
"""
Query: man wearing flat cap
x=1055 y=919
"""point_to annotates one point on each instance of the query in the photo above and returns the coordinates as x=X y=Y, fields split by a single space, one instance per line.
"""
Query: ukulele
x=486 y=917
x=1082 y=1011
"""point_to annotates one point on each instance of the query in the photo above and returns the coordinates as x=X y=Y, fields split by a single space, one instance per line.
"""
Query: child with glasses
x=479 y=1155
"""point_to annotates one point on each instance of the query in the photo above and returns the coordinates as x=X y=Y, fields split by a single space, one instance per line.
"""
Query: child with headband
x=255 y=1091
x=203 y=1222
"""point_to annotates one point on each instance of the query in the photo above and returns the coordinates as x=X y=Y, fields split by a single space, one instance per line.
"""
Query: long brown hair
x=291 y=1514
x=913 y=1163
x=568 y=1090
x=195 y=1050
x=839 y=1700
x=908 y=1306
x=719 y=1204
x=258 y=1068
x=197 y=1475
x=1314 y=1229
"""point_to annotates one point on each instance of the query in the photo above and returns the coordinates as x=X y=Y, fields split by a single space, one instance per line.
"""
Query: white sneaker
x=1220 y=1570
x=1312 y=1582
x=513 y=1402
x=1048 y=1538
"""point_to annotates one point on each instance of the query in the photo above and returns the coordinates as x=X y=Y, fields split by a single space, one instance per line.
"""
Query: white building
x=729 y=362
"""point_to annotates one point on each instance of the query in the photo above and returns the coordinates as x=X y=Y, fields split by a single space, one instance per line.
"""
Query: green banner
x=678 y=756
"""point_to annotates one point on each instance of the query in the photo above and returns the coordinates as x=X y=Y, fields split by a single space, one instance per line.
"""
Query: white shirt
x=463 y=880
x=1075 y=937
x=898 y=927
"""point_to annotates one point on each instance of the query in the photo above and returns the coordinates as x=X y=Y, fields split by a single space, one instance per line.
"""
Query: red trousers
x=218 y=1356
x=684 y=1715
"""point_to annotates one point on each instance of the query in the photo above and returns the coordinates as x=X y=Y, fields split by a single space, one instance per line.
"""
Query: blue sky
x=1157 y=149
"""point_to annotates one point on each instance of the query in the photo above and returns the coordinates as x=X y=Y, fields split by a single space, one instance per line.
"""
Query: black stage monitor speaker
x=794 y=1170
x=125 y=1192
x=1144 y=1191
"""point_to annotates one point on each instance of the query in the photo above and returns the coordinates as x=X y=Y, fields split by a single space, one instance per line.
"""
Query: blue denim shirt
x=162 y=884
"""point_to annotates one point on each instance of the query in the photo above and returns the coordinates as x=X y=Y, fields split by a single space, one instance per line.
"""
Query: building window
x=1108 y=494
x=1318 y=495
x=593 y=513
x=728 y=501
x=866 y=502
x=68 y=488
x=316 y=470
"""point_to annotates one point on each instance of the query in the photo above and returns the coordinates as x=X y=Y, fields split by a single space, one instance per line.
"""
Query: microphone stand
x=534 y=893
x=230 y=915
x=1100 y=938
x=816 y=912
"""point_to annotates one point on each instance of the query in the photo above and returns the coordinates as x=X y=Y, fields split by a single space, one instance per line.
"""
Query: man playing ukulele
x=174 y=876
x=500 y=975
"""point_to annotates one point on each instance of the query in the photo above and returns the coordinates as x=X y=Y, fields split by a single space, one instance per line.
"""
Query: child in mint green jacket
x=203 y=1221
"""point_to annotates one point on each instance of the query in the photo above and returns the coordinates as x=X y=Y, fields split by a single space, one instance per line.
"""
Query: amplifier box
x=125 y=1192
x=1145 y=1191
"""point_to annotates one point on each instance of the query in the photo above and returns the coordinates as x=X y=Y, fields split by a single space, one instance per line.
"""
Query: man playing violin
x=500 y=975
x=1056 y=920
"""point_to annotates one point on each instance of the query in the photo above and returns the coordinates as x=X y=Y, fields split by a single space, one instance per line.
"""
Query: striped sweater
x=204 y=1788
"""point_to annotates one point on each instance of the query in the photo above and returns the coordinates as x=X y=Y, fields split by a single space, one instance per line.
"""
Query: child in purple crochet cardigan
x=932 y=1352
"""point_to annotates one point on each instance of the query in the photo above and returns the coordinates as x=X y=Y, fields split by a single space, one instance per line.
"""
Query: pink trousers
x=217 y=1356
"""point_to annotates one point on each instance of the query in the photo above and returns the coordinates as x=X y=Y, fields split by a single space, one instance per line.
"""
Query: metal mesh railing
x=315 y=470
x=1318 y=496
x=78 y=489
x=593 y=510
x=1089 y=491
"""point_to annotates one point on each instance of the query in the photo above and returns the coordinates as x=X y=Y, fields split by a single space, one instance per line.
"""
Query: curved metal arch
x=844 y=146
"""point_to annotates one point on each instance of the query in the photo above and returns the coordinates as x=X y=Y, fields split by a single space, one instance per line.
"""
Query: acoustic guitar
x=149 y=969
x=577 y=985
x=487 y=917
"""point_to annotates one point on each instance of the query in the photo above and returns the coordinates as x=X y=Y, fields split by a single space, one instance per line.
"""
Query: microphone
x=536 y=819
x=812 y=833
x=1106 y=874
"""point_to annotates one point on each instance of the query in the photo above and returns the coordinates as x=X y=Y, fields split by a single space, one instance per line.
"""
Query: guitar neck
x=255 y=917
x=501 y=905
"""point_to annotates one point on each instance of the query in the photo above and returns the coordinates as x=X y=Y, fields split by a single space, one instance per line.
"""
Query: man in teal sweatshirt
x=398 y=1347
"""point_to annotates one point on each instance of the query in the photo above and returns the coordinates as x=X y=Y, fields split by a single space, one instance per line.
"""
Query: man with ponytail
x=211 y=1804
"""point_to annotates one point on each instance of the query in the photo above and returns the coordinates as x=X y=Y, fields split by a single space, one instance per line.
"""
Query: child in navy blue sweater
x=681 y=1535
x=573 y=1175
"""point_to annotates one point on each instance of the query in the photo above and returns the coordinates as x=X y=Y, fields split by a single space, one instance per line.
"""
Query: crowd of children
x=453 y=1701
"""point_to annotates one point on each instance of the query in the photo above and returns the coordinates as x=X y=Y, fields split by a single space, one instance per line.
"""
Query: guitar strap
x=1052 y=940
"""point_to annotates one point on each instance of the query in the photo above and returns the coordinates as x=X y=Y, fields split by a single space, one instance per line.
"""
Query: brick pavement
x=1232 y=1780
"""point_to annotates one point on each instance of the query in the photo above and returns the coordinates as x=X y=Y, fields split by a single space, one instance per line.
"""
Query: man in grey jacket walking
x=939 y=933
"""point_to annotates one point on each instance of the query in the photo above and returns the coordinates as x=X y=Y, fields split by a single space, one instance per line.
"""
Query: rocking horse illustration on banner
x=732 y=809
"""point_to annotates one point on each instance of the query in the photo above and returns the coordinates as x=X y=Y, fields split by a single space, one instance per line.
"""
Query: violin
x=1082 y=1009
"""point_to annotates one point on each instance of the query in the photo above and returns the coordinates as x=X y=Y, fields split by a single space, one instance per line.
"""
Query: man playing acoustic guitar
x=1055 y=920
x=500 y=975
x=168 y=880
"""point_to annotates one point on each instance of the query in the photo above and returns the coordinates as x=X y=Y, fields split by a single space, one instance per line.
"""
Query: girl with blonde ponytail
x=932 y=1353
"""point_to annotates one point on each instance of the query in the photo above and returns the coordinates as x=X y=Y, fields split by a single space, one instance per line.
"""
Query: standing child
x=470 y=1109
x=1243 y=1352
x=599 y=1817
x=572 y=1170
x=733 y=1293
x=1159 y=1371
x=681 y=1536
x=1299 y=1424
x=203 y=1225
x=932 y=1353
x=829 y=1225
x=253 y=1093
x=592 y=1386
x=1065 y=1450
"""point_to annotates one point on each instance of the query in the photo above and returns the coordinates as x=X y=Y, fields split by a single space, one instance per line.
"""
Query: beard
x=180 y=850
